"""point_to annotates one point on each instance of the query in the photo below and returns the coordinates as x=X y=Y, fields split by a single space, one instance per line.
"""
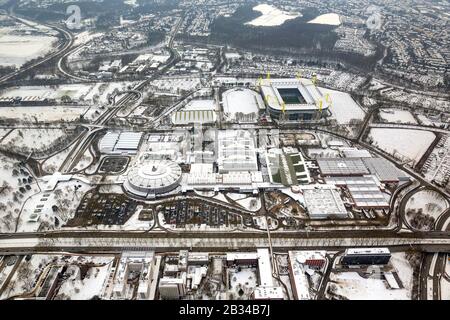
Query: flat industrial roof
x=342 y=166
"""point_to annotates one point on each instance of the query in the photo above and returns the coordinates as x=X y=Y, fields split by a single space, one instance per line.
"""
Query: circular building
x=152 y=178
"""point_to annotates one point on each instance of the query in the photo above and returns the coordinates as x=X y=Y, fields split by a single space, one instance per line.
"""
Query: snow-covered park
x=429 y=201
x=404 y=144
x=343 y=107
x=397 y=116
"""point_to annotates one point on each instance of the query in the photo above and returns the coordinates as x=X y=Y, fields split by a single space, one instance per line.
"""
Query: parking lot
x=105 y=209
x=113 y=164
x=187 y=212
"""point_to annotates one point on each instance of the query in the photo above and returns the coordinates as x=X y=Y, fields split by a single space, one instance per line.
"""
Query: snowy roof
x=194 y=116
x=324 y=202
x=114 y=141
x=363 y=251
x=342 y=166
x=264 y=268
x=364 y=191
x=383 y=169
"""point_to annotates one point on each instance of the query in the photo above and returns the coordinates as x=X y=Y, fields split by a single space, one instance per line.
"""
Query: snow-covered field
x=24 y=42
x=397 y=116
x=32 y=139
x=343 y=107
x=271 y=16
x=331 y=19
x=431 y=203
x=354 y=287
x=404 y=144
x=42 y=114
x=92 y=93
x=17 y=50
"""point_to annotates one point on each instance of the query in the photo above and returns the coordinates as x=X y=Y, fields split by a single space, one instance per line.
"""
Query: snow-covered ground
x=52 y=164
x=404 y=144
x=26 y=275
x=331 y=19
x=42 y=114
x=64 y=197
x=11 y=197
x=404 y=270
x=221 y=197
x=89 y=93
x=245 y=280
x=24 y=42
x=397 y=116
x=31 y=139
x=92 y=285
x=354 y=287
x=431 y=203
x=343 y=107
x=271 y=16
x=250 y=203
x=3 y=132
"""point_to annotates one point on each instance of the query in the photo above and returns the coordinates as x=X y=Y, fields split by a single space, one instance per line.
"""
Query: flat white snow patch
x=405 y=144
x=332 y=19
x=271 y=16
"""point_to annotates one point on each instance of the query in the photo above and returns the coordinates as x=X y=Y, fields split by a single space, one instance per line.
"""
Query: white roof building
x=120 y=143
x=324 y=203
x=236 y=151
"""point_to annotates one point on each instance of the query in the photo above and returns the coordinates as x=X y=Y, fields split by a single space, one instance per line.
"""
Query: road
x=409 y=126
x=61 y=51
x=162 y=241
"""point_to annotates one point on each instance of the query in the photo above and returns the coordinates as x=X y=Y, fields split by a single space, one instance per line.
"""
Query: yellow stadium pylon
x=268 y=75
x=283 y=107
x=314 y=79
x=299 y=76
x=260 y=81
x=320 y=105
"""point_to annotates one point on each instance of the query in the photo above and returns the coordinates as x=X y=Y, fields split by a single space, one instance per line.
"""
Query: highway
x=164 y=241
x=61 y=51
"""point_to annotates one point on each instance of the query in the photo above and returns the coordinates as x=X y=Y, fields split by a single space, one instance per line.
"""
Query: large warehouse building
x=298 y=98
